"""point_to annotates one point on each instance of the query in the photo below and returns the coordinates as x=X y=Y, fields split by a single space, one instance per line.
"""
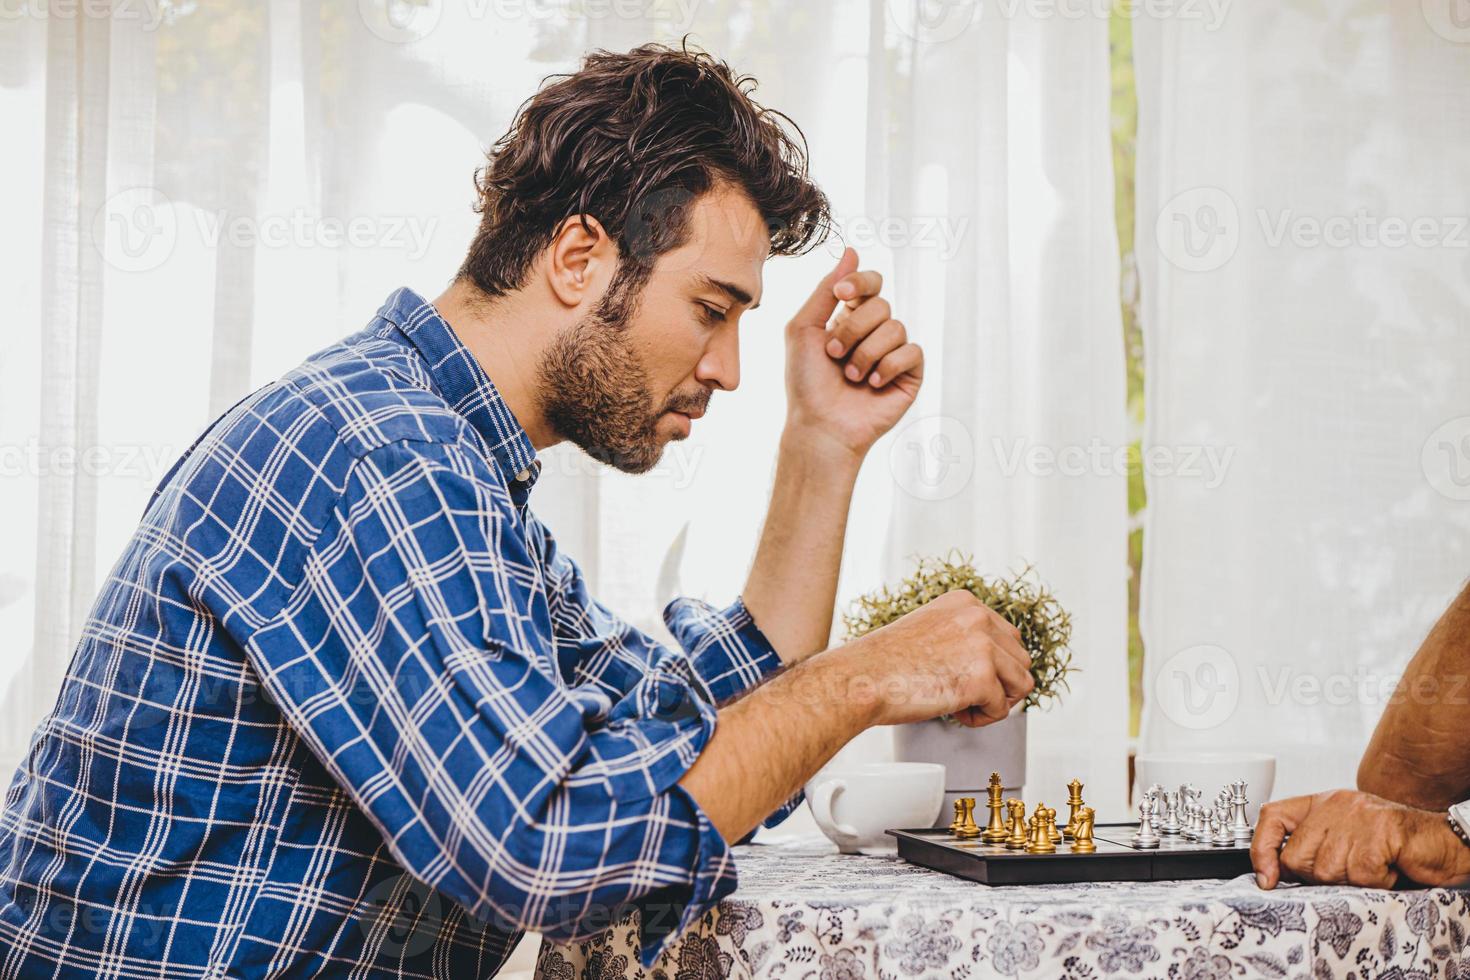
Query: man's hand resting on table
x=1344 y=837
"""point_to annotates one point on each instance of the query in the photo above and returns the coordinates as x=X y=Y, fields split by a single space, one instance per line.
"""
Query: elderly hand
x=1345 y=837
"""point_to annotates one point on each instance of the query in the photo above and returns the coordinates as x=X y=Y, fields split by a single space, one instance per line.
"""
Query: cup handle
x=821 y=802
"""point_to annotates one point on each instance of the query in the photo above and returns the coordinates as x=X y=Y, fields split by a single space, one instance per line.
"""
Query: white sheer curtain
x=1000 y=129
x=1302 y=212
x=221 y=189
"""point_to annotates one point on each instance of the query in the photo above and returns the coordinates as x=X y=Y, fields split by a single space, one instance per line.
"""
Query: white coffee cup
x=854 y=804
x=1209 y=771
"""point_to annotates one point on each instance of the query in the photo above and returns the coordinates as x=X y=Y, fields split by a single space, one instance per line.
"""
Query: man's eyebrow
x=728 y=288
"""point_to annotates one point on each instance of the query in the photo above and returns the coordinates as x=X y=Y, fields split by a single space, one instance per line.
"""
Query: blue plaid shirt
x=343 y=707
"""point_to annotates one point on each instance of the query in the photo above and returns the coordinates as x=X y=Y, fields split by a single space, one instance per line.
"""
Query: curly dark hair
x=631 y=140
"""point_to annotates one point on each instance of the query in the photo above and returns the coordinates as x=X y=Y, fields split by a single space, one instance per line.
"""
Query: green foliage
x=1024 y=602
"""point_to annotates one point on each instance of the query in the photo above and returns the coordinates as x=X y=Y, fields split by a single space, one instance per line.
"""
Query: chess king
x=342 y=658
x=1409 y=817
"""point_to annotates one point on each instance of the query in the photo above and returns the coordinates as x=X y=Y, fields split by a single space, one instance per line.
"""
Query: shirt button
x=524 y=475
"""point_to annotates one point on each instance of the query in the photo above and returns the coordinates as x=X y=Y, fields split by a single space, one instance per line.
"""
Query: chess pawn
x=1052 y=833
x=1041 y=842
x=959 y=818
x=1017 y=840
x=969 y=830
x=1221 y=835
x=1189 y=831
x=1074 y=807
x=1145 y=836
x=995 y=830
x=1082 y=832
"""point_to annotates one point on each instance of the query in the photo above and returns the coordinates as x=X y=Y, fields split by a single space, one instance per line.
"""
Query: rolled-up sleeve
x=728 y=651
x=416 y=658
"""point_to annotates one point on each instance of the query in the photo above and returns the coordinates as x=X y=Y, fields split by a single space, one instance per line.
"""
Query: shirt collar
x=464 y=384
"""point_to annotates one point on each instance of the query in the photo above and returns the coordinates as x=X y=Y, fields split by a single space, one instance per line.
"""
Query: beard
x=595 y=392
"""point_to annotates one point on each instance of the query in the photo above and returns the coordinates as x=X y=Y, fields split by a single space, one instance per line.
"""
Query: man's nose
x=720 y=365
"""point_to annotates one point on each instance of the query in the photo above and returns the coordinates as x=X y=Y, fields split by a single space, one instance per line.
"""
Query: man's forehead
x=726 y=246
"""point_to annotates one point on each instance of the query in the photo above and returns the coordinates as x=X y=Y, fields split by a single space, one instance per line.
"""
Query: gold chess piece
x=1082 y=835
x=995 y=831
x=969 y=830
x=959 y=818
x=1040 y=842
x=1052 y=833
x=1074 y=804
x=1017 y=840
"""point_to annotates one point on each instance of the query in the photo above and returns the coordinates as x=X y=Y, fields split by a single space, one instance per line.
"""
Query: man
x=344 y=708
x=1398 y=825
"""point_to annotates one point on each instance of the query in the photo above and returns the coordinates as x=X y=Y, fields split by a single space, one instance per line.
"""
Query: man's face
x=634 y=374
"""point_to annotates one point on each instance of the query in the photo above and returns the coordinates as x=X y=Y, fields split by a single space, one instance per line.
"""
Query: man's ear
x=581 y=260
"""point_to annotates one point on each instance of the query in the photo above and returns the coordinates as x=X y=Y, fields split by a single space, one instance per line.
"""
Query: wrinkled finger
x=853 y=326
x=1275 y=822
x=856 y=285
x=1330 y=864
x=1303 y=851
x=887 y=338
x=1368 y=866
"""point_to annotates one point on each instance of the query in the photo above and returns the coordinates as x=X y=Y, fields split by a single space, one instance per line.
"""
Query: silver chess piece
x=1170 y=826
x=1145 y=837
x=1186 y=829
x=1240 y=827
x=1220 y=825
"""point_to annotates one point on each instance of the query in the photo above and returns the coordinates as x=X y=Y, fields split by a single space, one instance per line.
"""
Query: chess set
x=1176 y=837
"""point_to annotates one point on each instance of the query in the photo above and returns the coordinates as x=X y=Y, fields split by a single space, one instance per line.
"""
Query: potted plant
x=969 y=755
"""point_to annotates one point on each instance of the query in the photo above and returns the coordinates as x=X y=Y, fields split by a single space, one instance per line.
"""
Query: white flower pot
x=969 y=756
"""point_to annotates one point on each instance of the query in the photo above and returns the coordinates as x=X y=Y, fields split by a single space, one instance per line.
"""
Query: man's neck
x=506 y=336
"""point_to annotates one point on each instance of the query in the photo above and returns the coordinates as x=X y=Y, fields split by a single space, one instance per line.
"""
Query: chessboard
x=1176 y=837
x=1116 y=859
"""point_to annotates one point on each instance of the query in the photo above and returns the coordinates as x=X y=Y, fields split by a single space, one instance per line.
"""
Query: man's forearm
x=1420 y=752
x=792 y=588
x=768 y=743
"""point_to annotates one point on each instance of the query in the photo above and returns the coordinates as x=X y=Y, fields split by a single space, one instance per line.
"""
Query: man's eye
x=711 y=314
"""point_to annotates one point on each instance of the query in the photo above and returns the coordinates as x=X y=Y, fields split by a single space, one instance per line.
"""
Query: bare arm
x=1420 y=752
x=792 y=588
x=849 y=378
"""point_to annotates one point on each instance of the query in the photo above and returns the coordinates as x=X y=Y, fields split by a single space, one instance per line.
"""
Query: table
x=804 y=911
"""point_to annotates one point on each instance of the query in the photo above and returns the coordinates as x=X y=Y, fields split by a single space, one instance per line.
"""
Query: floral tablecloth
x=804 y=912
